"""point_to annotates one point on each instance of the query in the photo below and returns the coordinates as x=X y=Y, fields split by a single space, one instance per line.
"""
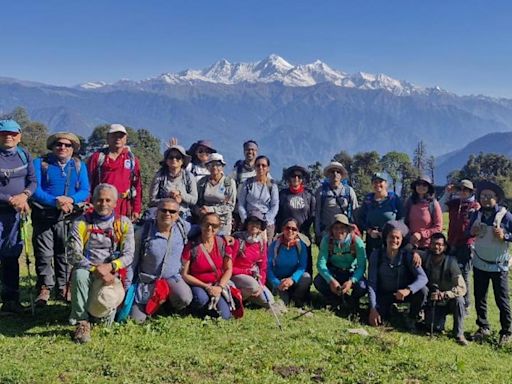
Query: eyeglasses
x=299 y=176
x=487 y=196
x=293 y=229
x=259 y=165
x=169 y=211
x=203 y=150
x=335 y=172
x=174 y=157
x=60 y=144
x=213 y=225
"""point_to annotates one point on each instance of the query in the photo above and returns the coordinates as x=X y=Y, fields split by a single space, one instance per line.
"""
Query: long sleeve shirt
x=255 y=196
x=459 y=213
x=124 y=174
x=21 y=175
x=286 y=262
x=52 y=182
x=385 y=276
x=252 y=259
x=163 y=184
x=300 y=206
x=90 y=244
x=421 y=220
x=342 y=257
x=376 y=213
x=446 y=275
x=218 y=198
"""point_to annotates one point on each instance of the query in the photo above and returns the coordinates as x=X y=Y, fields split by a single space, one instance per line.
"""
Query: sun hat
x=255 y=216
x=181 y=150
x=50 y=142
x=9 y=126
x=425 y=179
x=297 y=168
x=500 y=194
x=116 y=128
x=340 y=218
x=215 y=157
x=204 y=143
x=104 y=299
x=465 y=183
x=334 y=165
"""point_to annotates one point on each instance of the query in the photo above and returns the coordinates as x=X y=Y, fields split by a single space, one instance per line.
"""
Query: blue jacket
x=21 y=175
x=53 y=183
x=288 y=263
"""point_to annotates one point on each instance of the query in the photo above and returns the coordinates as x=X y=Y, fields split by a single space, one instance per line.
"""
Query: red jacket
x=121 y=174
x=255 y=255
x=460 y=212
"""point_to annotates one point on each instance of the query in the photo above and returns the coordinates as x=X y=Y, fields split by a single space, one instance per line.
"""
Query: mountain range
x=297 y=113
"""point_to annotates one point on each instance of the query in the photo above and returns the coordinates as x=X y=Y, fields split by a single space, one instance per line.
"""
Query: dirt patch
x=288 y=371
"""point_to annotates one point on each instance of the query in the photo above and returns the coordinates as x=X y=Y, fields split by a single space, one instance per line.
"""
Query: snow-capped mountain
x=271 y=69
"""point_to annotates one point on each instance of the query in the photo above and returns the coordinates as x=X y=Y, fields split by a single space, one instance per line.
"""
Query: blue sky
x=461 y=45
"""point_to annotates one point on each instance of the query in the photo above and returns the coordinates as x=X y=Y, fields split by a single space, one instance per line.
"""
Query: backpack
x=6 y=173
x=279 y=244
x=352 y=246
x=252 y=180
x=117 y=234
x=219 y=241
x=163 y=179
x=201 y=187
x=78 y=167
x=101 y=159
x=326 y=187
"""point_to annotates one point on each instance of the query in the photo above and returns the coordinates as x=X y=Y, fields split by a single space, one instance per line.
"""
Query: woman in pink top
x=250 y=261
x=207 y=268
x=423 y=214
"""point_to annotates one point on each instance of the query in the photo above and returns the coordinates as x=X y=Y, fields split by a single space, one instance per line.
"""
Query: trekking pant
x=501 y=296
x=298 y=292
x=10 y=251
x=455 y=307
x=201 y=300
x=386 y=299
x=249 y=287
x=463 y=256
x=359 y=289
x=49 y=242
x=81 y=281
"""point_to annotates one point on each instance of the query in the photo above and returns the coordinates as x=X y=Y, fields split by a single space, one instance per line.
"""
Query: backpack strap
x=498 y=218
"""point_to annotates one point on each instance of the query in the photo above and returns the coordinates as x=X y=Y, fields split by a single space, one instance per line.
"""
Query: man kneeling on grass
x=446 y=288
x=100 y=245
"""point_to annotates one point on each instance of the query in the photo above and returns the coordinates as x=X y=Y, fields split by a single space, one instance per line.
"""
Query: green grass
x=174 y=349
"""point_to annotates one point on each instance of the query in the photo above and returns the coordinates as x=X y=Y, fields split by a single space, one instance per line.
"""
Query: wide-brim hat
x=335 y=165
x=215 y=157
x=181 y=150
x=426 y=179
x=500 y=194
x=340 y=218
x=255 y=216
x=205 y=143
x=104 y=299
x=297 y=168
x=50 y=142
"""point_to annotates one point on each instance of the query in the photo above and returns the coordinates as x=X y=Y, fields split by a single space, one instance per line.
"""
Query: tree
x=316 y=175
x=365 y=164
x=430 y=168
x=420 y=157
x=33 y=133
x=394 y=164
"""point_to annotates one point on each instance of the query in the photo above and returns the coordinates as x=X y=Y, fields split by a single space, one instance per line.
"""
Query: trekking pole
x=265 y=295
x=435 y=289
x=26 y=222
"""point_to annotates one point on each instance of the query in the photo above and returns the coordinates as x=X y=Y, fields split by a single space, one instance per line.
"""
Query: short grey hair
x=104 y=186
x=166 y=200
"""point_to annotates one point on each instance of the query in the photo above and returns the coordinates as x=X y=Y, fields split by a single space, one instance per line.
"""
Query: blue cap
x=9 y=126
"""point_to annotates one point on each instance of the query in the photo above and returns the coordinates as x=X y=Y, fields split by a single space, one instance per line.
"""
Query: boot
x=82 y=333
x=43 y=297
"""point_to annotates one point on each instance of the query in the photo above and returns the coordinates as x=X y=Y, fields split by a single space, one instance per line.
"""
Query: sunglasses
x=422 y=184
x=487 y=196
x=293 y=229
x=60 y=144
x=259 y=165
x=203 y=150
x=174 y=157
x=299 y=176
x=213 y=225
x=169 y=211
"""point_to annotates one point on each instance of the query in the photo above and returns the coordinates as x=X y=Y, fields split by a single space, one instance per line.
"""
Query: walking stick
x=435 y=289
x=265 y=295
x=25 y=224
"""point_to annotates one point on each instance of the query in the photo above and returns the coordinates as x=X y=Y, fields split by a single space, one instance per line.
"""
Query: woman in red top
x=250 y=261
x=207 y=268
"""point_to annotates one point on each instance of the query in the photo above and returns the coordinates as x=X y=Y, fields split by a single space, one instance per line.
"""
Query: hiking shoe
x=13 y=307
x=461 y=340
x=65 y=295
x=410 y=324
x=481 y=334
x=82 y=333
x=504 y=340
x=43 y=297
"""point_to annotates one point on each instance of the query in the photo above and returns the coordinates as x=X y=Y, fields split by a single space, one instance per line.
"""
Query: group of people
x=210 y=241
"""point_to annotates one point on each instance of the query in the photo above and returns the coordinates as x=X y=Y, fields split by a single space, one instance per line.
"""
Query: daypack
x=219 y=241
x=78 y=167
x=279 y=244
x=117 y=234
x=6 y=173
x=101 y=159
x=326 y=187
x=249 y=183
x=431 y=209
x=163 y=180
x=201 y=187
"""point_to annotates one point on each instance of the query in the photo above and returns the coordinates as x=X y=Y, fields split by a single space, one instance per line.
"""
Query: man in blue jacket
x=62 y=183
x=17 y=184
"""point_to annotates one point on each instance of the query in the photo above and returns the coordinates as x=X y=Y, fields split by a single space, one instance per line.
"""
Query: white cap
x=116 y=128
x=215 y=157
